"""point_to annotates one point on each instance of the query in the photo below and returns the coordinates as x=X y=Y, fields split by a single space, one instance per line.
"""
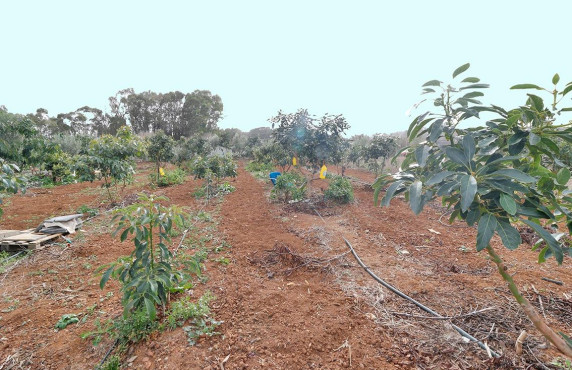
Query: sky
x=366 y=60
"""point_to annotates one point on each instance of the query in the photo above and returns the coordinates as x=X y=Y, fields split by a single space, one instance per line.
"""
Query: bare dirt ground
x=292 y=297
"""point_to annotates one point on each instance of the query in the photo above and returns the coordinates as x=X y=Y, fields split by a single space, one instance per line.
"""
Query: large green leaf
x=421 y=154
x=531 y=212
x=473 y=216
x=435 y=130
x=416 y=197
x=549 y=239
x=438 y=177
x=390 y=192
x=150 y=307
x=566 y=90
x=563 y=176
x=432 y=83
x=418 y=128
x=533 y=139
x=508 y=204
x=105 y=277
x=517 y=137
x=124 y=234
x=536 y=102
x=461 y=69
x=456 y=155
x=471 y=80
x=514 y=174
x=469 y=147
x=468 y=191
x=494 y=162
x=545 y=184
x=525 y=86
x=509 y=235
x=487 y=226
x=475 y=86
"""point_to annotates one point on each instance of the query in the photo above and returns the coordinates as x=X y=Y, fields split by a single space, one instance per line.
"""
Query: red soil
x=291 y=296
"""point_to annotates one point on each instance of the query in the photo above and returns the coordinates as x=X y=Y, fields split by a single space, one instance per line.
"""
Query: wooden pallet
x=25 y=239
x=6 y=233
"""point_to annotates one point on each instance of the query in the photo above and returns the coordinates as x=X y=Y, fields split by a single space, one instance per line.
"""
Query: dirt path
x=301 y=320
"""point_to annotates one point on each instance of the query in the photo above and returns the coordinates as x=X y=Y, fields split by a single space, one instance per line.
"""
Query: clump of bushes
x=340 y=190
x=260 y=170
x=217 y=167
x=289 y=186
x=212 y=169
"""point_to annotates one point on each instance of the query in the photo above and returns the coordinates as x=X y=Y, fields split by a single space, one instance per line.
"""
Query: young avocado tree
x=10 y=180
x=498 y=175
x=147 y=275
x=380 y=147
x=213 y=168
x=314 y=140
x=161 y=149
x=110 y=158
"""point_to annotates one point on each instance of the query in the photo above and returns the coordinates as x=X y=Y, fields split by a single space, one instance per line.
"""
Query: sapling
x=147 y=274
x=504 y=173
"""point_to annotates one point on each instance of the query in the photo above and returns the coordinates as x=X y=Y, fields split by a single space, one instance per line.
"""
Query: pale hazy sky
x=363 y=59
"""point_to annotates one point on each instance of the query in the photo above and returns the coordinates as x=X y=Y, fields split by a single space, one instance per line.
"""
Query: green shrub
x=174 y=177
x=216 y=166
x=254 y=166
x=87 y=209
x=183 y=310
x=289 y=186
x=112 y=363
x=260 y=170
x=340 y=190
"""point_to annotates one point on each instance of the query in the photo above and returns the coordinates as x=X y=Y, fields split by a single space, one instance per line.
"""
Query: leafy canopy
x=495 y=175
x=315 y=140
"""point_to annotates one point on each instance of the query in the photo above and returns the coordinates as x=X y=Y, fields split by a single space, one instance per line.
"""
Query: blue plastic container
x=273 y=176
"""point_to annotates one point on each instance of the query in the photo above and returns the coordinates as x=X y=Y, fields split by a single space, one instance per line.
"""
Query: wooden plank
x=6 y=233
x=44 y=239
x=25 y=237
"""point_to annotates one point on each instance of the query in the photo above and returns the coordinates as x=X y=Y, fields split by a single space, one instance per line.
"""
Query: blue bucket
x=273 y=176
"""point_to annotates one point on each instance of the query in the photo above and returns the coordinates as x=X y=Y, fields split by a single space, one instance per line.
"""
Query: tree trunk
x=529 y=310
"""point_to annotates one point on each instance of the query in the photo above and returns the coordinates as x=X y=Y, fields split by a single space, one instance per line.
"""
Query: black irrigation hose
x=108 y=353
x=404 y=296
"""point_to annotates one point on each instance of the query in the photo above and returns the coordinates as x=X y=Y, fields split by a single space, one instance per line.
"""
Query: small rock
x=370 y=316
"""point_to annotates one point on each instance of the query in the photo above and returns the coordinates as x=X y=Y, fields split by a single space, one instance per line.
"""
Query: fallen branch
x=520 y=341
x=442 y=317
x=552 y=281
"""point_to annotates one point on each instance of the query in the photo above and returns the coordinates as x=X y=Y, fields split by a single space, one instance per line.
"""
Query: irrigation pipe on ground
x=406 y=297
